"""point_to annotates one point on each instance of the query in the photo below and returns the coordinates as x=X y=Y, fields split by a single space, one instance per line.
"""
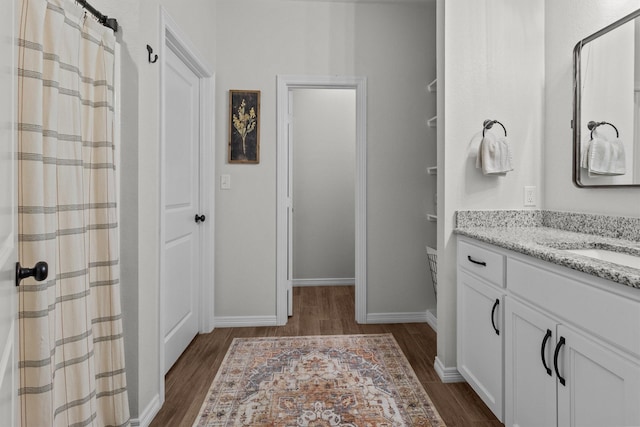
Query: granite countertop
x=546 y=243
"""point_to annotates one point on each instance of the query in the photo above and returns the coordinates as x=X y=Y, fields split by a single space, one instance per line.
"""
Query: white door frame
x=172 y=37
x=285 y=83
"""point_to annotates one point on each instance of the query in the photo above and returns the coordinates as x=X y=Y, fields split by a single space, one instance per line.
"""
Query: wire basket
x=432 y=257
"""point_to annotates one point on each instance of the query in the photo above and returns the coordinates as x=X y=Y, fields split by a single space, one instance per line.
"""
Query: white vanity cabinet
x=553 y=372
x=571 y=344
x=530 y=383
x=480 y=335
x=570 y=353
x=601 y=387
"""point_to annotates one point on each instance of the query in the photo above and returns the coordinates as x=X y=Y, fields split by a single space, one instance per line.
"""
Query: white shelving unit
x=432 y=123
x=433 y=86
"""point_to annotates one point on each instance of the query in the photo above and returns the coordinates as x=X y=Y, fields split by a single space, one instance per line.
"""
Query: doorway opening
x=285 y=188
x=323 y=135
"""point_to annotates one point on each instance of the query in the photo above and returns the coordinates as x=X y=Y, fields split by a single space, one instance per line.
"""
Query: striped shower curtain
x=71 y=352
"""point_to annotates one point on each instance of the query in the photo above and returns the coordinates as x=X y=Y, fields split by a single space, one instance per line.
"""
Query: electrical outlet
x=530 y=195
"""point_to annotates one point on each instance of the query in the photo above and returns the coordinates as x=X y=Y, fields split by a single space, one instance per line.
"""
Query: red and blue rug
x=342 y=380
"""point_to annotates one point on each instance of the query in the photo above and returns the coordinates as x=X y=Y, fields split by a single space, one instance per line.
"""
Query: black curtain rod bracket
x=103 y=19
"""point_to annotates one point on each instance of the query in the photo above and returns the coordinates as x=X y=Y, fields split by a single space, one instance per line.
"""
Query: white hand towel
x=494 y=155
x=606 y=157
x=584 y=154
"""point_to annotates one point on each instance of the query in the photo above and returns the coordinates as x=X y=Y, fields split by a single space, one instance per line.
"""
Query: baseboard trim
x=149 y=413
x=432 y=320
x=416 y=317
x=447 y=375
x=244 y=321
x=324 y=282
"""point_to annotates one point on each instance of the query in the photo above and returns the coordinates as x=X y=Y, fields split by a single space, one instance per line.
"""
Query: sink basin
x=610 y=256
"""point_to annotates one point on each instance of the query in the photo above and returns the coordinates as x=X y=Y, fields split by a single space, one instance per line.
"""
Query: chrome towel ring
x=488 y=124
x=593 y=125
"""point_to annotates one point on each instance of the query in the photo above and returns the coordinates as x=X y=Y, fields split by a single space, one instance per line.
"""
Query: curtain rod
x=103 y=19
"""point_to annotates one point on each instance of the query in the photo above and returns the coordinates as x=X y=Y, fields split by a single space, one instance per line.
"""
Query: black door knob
x=200 y=218
x=39 y=272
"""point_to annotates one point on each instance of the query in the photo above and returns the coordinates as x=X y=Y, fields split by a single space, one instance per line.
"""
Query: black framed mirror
x=606 y=106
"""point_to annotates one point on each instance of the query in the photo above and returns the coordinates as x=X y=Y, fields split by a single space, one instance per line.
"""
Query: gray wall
x=393 y=45
x=324 y=142
x=277 y=37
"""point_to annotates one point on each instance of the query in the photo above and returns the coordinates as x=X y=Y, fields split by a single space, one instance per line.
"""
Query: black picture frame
x=244 y=126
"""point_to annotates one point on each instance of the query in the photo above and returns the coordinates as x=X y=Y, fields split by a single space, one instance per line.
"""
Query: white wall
x=394 y=46
x=636 y=55
x=636 y=104
x=324 y=158
x=511 y=61
x=586 y=17
x=493 y=68
x=139 y=21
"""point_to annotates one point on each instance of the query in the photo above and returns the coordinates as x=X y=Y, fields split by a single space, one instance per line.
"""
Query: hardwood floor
x=317 y=311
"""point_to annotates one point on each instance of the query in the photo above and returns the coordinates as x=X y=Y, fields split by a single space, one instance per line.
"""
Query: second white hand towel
x=584 y=153
x=607 y=157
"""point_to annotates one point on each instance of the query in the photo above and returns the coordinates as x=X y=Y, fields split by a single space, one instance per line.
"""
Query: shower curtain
x=71 y=356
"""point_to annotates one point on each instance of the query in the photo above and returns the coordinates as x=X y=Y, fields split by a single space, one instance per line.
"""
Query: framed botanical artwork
x=244 y=126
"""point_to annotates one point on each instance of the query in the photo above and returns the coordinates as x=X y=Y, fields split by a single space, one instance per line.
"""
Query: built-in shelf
x=432 y=122
x=432 y=170
x=432 y=217
x=433 y=86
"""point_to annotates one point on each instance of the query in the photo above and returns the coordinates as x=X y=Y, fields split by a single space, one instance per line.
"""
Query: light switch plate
x=225 y=182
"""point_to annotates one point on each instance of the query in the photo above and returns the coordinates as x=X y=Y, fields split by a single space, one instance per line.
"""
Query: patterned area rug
x=343 y=380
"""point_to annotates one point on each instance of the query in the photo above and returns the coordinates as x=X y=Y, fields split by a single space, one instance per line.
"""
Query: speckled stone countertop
x=536 y=239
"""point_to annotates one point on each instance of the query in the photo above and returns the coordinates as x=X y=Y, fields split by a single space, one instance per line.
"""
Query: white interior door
x=8 y=223
x=181 y=232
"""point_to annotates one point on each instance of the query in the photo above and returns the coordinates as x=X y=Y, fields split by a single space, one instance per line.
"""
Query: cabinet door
x=601 y=388
x=480 y=339
x=530 y=382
